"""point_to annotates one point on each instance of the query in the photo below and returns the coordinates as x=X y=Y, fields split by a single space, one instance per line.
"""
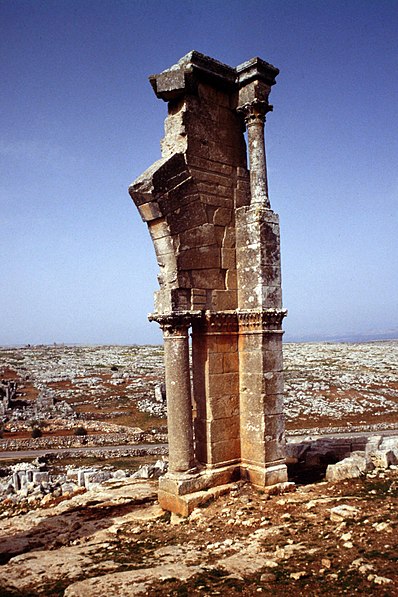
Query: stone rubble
x=31 y=484
x=380 y=453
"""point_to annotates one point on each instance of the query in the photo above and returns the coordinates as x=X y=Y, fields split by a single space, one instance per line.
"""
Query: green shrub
x=36 y=432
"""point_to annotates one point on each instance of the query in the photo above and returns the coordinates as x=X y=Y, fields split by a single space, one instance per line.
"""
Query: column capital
x=254 y=112
x=173 y=324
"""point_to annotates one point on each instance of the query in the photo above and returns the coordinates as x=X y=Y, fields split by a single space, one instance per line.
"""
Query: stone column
x=178 y=391
x=254 y=115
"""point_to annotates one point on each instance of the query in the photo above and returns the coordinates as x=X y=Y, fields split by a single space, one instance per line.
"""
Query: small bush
x=36 y=432
x=80 y=431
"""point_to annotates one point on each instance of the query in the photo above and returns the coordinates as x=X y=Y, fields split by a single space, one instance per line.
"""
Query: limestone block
x=222 y=216
x=228 y=259
x=224 y=451
x=223 y=384
x=272 y=297
x=216 y=199
x=218 y=189
x=216 y=179
x=182 y=196
x=186 y=219
x=349 y=468
x=263 y=477
x=149 y=211
x=228 y=241
x=40 y=477
x=209 y=165
x=270 y=275
x=180 y=299
x=241 y=197
x=230 y=362
x=165 y=245
x=201 y=236
x=158 y=229
x=222 y=343
x=272 y=403
x=390 y=443
x=254 y=90
x=218 y=430
x=218 y=453
x=383 y=458
x=215 y=362
x=224 y=300
x=274 y=427
x=267 y=452
x=344 y=512
x=198 y=298
x=199 y=258
x=231 y=280
x=269 y=383
x=223 y=408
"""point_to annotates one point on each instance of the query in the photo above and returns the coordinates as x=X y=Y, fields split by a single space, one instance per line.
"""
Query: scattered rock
x=344 y=512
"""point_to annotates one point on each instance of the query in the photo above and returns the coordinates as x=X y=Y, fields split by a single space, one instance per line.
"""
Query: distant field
x=326 y=384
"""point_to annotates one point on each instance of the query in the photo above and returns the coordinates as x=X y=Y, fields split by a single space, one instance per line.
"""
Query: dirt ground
x=321 y=539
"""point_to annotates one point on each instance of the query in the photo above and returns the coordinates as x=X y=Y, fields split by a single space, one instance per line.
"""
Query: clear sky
x=79 y=122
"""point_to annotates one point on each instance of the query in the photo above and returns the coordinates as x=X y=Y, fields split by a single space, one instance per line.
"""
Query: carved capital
x=254 y=112
x=265 y=320
x=220 y=322
x=173 y=324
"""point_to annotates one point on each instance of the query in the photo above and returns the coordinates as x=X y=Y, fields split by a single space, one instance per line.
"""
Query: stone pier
x=217 y=244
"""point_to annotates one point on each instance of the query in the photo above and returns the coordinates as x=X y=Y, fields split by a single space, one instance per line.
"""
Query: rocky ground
x=114 y=540
x=327 y=385
x=110 y=537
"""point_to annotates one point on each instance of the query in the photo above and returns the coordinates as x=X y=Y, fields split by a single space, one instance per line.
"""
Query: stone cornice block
x=183 y=78
x=256 y=69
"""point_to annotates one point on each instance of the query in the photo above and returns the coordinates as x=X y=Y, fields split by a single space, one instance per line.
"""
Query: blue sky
x=79 y=122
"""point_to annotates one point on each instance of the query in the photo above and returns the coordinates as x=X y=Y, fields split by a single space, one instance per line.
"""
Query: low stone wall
x=121 y=452
x=323 y=450
x=317 y=431
x=75 y=441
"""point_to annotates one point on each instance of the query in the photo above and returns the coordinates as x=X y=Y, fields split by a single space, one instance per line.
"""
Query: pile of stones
x=31 y=483
x=380 y=453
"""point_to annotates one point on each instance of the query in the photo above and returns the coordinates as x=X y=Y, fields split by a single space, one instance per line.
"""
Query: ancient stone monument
x=217 y=245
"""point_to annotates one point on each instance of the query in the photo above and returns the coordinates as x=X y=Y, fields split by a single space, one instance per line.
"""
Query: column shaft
x=258 y=166
x=179 y=402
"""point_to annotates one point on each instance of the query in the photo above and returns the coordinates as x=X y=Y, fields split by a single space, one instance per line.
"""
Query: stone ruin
x=8 y=395
x=217 y=244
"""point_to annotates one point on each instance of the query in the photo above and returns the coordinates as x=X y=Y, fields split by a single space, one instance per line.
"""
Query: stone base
x=182 y=493
x=185 y=504
x=261 y=477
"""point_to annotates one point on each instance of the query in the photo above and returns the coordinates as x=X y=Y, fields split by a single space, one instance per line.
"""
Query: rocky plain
x=79 y=514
